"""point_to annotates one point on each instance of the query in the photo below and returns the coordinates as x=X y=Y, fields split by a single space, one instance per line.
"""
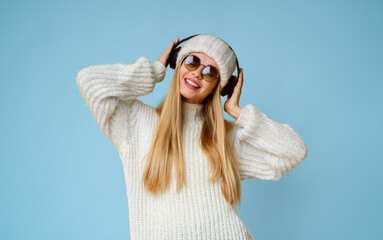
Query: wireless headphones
x=227 y=89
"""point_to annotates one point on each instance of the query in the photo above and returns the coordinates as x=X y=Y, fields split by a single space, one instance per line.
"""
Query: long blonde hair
x=166 y=145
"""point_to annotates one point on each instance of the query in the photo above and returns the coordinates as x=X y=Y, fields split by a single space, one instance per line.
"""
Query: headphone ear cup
x=228 y=89
x=172 y=59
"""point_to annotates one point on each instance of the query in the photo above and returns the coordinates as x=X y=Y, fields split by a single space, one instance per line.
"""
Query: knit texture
x=264 y=148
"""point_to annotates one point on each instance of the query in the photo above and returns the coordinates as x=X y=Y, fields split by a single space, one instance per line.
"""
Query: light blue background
x=315 y=65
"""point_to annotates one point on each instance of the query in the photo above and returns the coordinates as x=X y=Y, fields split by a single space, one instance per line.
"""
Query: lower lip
x=190 y=86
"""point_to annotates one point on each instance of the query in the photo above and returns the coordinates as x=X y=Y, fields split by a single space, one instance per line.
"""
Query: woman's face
x=190 y=93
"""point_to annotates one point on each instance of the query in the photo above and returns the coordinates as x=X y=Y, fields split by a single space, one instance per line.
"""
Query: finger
x=238 y=87
x=235 y=96
x=176 y=41
x=240 y=79
x=170 y=46
x=240 y=83
x=236 y=93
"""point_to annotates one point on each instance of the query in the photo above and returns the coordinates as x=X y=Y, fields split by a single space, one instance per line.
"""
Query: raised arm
x=265 y=149
x=110 y=92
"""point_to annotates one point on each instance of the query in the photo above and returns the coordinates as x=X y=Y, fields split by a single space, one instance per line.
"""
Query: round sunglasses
x=209 y=73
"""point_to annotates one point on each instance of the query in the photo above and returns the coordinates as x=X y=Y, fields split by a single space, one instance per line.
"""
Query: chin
x=188 y=97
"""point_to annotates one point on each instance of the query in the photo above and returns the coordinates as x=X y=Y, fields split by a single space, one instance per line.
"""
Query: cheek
x=213 y=86
x=210 y=88
x=181 y=74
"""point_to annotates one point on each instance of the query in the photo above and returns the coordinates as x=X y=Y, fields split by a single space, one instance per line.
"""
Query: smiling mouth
x=191 y=83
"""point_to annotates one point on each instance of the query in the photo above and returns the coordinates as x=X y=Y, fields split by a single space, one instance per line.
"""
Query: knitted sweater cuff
x=159 y=71
x=250 y=116
x=145 y=70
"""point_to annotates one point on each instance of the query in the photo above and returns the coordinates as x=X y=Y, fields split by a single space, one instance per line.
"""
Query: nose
x=198 y=72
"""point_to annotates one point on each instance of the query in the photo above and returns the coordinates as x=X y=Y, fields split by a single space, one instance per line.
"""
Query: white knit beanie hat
x=215 y=48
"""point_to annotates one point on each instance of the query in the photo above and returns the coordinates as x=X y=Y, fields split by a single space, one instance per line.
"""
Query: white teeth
x=191 y=83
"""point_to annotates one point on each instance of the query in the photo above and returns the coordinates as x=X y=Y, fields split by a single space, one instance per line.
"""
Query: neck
x=191 y=111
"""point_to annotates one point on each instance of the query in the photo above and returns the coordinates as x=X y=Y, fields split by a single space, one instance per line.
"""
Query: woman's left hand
x=231 y=105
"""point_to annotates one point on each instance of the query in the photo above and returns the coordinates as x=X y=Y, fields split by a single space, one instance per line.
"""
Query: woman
x=183 y=162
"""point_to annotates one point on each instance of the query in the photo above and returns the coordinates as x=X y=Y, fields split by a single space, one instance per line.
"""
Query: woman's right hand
x=163 y=58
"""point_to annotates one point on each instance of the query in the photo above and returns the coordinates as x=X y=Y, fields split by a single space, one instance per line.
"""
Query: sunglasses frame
x=203 y=74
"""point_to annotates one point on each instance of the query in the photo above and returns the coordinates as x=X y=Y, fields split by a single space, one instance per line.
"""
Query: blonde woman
x=183 y=162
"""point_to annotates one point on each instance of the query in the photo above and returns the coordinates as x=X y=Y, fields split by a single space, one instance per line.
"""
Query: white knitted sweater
x=265 y=149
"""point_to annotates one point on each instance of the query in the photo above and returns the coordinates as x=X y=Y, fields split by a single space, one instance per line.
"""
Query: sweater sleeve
x=265 y=149
x=110 y=92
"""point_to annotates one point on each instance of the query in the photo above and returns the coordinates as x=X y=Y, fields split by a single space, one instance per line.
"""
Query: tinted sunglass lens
x=210 y=73
x=192 y=62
